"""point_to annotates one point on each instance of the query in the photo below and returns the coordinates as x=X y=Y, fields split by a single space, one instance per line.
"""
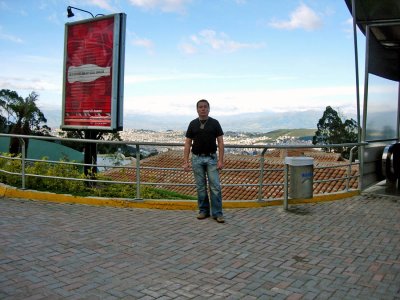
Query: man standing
x=204 y=135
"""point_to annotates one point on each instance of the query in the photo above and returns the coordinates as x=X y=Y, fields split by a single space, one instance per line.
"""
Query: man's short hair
x=202 y=100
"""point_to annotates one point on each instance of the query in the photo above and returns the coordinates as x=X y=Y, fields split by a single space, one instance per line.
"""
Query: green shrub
x=74 y=187
x=55 y=184
x=11 y=164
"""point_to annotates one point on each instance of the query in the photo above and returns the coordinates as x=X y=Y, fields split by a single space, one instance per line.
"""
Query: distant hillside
x=297 y=133
x=268 y=121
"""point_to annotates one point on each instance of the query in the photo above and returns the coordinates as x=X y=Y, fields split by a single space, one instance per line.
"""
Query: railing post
x=138 y=173
x=23 y=157
x=349 y=168
x=261 y=174
x=285 y=186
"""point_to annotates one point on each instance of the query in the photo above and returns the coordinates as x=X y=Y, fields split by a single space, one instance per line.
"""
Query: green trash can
x=301 y=174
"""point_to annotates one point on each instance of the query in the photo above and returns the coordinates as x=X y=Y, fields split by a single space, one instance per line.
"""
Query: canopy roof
x=383 y=17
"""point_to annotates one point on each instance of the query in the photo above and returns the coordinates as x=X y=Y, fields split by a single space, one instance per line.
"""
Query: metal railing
x=138 y=167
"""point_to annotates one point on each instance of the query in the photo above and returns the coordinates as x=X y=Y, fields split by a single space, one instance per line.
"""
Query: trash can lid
x=299 y=161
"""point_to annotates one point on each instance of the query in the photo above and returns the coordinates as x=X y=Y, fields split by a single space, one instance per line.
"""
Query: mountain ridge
x=248 y=122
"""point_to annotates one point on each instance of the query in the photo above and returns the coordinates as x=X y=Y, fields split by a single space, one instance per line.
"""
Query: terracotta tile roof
x=244 y=171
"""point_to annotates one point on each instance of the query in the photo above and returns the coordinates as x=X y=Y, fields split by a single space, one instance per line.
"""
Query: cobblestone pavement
x=347 y=249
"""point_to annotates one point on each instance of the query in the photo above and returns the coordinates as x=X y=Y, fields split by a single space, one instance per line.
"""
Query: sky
x=244 y=56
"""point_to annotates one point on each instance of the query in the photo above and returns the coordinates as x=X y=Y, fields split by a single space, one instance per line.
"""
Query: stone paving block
x=134 y=293
x=349 y=247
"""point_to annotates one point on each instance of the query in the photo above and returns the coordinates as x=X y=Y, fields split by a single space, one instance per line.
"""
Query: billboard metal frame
x=93 y=93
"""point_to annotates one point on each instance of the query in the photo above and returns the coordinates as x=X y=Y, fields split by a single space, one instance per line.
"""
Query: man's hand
x=186 y=152
x=186 y=166
x=220 y=165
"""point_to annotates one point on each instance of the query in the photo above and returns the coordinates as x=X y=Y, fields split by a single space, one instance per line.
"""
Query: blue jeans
x=205 y=167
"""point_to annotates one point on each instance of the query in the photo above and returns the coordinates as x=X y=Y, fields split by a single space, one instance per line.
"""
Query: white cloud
x=220 y=42
x=53 y=18
x=163 y=5
x=247 y=101
x=144 y=43
x=302 y=17
x=187 y=48
x=295 y=99
x=3 y=5
x=348 y=27
x=32 y=73
x=134 y=79
x=9 y=37
x=29 y=84
x=104 y=4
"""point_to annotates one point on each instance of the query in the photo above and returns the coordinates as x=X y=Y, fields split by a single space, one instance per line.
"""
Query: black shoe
x=202 y=216
x=220 y=219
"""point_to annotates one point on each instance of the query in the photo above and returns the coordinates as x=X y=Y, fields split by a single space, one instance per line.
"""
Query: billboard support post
x=90 y=153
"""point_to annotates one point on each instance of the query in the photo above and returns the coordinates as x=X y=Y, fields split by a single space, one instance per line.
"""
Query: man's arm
x=221 y=149
x=186 y=152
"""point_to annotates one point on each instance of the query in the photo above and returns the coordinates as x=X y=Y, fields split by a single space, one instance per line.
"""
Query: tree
x=99 y=135
x=7 y=97
x=3 y=124
x=21 y=116
x=332 y=130
x=91 y=149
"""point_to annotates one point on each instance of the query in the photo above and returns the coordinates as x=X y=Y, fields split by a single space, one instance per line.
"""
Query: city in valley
x=280 y=137
x=283 y=136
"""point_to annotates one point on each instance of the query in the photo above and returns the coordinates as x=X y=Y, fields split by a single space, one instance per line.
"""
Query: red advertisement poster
x=89 y=74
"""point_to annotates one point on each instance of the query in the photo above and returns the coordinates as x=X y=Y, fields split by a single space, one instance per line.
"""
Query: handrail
x=275 y=146
x=138 y=166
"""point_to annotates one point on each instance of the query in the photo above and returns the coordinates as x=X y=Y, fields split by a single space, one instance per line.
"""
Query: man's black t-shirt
x=204 y=139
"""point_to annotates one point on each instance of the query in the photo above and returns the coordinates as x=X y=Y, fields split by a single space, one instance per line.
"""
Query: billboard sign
x=94 y=54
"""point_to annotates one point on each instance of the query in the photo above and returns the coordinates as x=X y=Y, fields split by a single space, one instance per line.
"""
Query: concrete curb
x=12 y=192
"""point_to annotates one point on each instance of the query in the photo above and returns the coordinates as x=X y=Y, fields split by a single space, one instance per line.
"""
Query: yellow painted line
x=12 y=192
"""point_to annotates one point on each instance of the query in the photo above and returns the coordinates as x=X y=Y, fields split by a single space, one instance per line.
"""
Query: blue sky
x=241 y=55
